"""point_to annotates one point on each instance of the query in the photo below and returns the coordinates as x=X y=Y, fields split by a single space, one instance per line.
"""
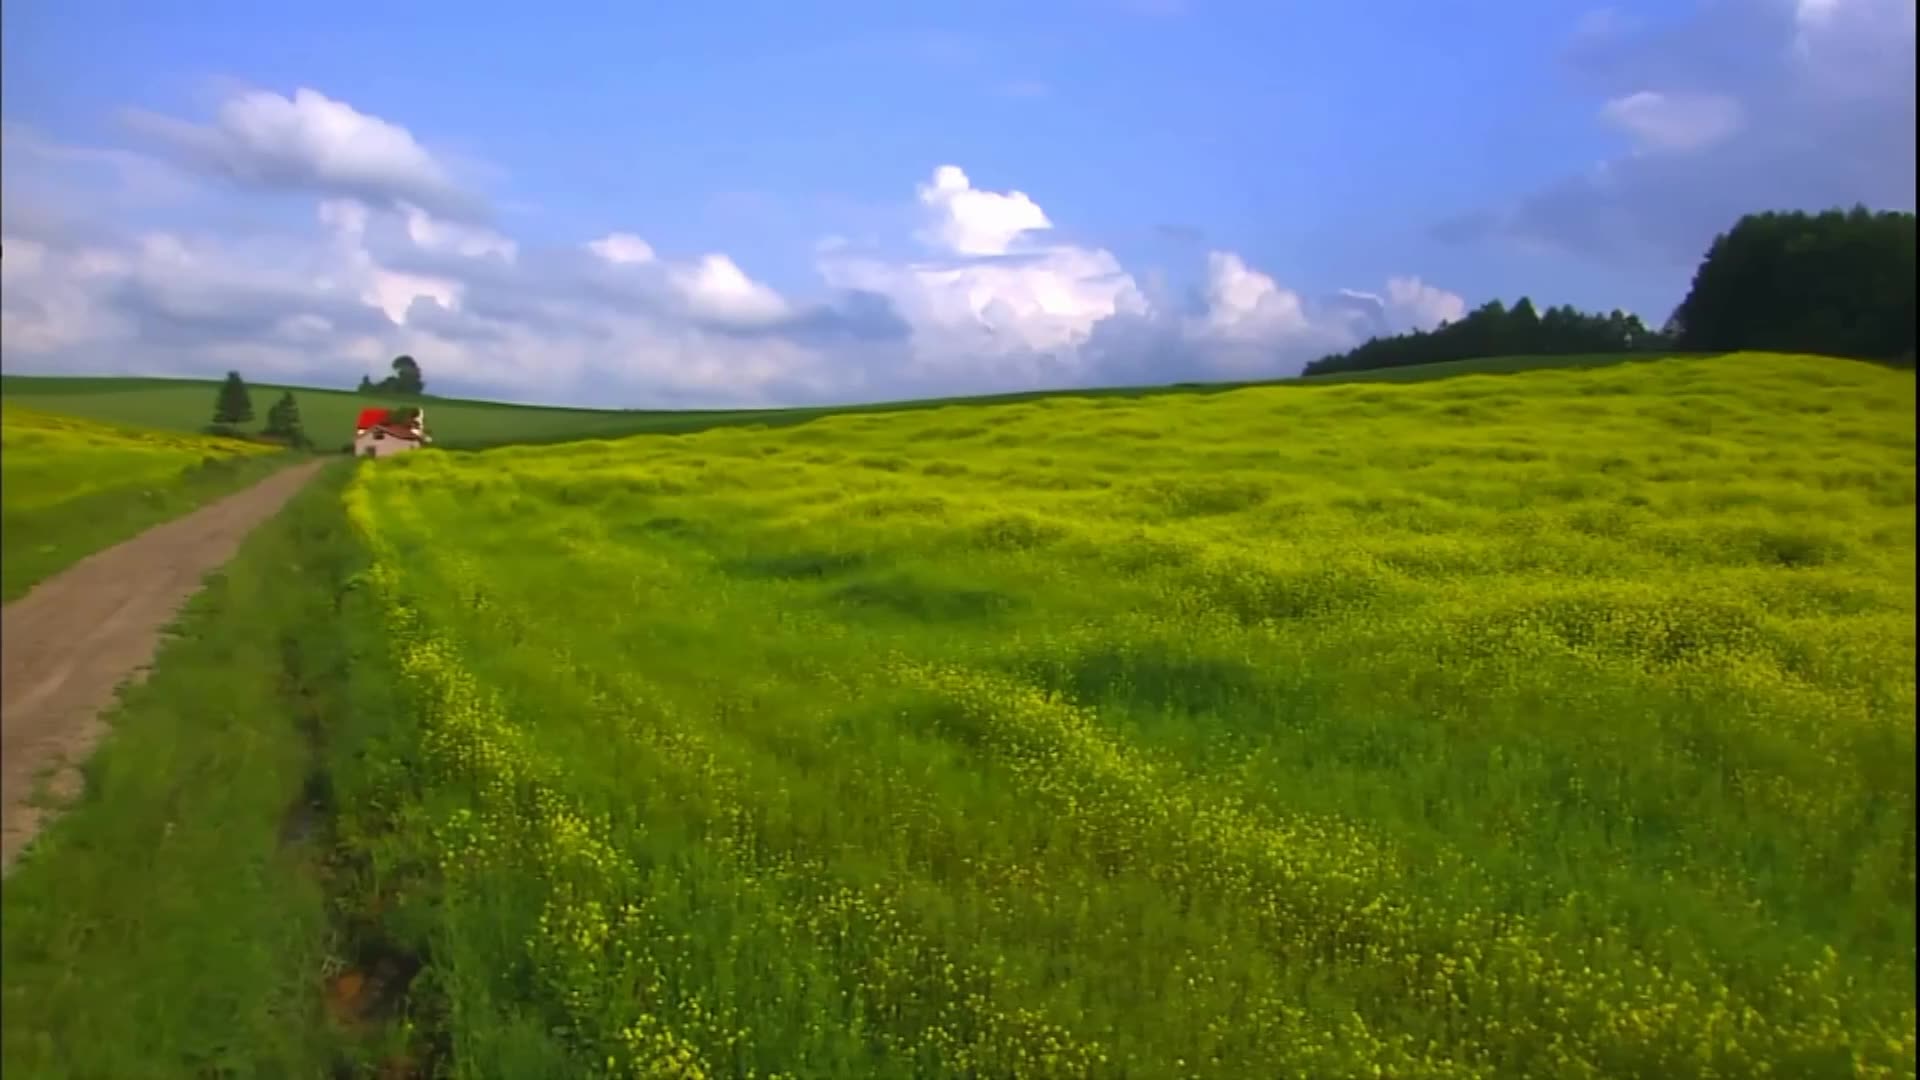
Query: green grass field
x=1552 y=724
x=1555 y=725
x=172 y=923
x=71 y=487
x=328 y=415
x=186 y=404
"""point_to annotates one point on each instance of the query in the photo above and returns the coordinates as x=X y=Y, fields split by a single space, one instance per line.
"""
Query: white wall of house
x=366 y=444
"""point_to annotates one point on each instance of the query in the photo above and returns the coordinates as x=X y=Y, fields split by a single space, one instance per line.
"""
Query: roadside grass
x=174 y=921
x=70 y=487
x=1553 y=724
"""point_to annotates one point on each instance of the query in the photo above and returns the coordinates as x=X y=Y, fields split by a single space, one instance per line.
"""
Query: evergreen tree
x=1840 y=283
x=234 y=404
x=1493 y=329
x=283 y=421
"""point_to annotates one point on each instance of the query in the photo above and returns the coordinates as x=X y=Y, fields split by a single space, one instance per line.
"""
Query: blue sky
x=768 y=202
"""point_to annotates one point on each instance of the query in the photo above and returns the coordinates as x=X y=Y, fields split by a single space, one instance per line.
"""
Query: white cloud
x=619 y=248
x=967 y=221
x=998 y=302
x=353 y=265
x=48 y=297
x=1679 y=121
x=1407 y=304
x=312 y=143
x=715 y=288
x=1246 y=306
x=1417 y=305
x=470 y=241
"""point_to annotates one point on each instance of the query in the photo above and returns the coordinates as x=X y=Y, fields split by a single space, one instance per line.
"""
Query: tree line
x=1836 y=283
x=1494 y=329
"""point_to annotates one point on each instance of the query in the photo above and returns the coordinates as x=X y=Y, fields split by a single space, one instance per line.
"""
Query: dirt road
x=67 y=646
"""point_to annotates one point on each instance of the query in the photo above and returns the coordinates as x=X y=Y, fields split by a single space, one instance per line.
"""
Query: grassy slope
x=1554 y=725
x=165 y=926
x=806 y=662
x=183 y=404
x=71 y=487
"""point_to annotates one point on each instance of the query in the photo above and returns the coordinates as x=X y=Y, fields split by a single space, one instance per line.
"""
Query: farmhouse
x=382 y=432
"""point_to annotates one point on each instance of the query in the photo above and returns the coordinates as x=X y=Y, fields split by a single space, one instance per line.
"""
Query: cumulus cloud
x=1785 y=104
x=994 y=299
x=311 y=143
x=714 y=288
x=1407 y=304
x=967 y=221
x=1244 y=305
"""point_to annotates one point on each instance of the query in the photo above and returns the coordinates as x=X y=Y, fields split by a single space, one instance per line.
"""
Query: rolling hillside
x=185 y=404
x=1551 y=724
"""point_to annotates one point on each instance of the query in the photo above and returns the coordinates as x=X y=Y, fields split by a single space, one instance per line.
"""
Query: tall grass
x=173 y=922
x=1555 y=724
x=70 y=487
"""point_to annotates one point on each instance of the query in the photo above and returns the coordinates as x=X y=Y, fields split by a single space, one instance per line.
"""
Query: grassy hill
x=1553 y=724
x=185 y=404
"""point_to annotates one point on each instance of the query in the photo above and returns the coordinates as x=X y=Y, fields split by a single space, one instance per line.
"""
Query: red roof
x=370 y=418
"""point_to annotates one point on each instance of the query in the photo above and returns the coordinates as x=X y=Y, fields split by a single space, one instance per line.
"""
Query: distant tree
x=406 y=377
x=283 y=421
x=1523 y=320
x=234 y=404
x=1840 y=283
x=1493 y=329
x=404 y=382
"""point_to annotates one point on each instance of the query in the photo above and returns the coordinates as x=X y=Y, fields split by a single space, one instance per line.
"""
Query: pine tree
x=283 y=421
x=234 y=406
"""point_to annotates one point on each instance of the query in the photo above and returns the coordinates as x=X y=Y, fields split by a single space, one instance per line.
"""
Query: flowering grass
x=169 y=923
x=70 y=487
x=1554 y=724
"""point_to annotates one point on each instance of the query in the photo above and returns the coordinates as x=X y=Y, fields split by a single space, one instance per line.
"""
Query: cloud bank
x=396 y=255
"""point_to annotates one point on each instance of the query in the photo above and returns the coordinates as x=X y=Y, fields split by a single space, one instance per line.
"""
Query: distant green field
x=187 y=405
x=457 y=424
